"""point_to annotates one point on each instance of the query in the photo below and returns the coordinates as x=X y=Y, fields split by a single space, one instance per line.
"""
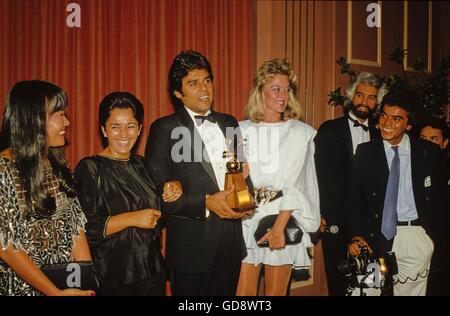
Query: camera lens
x=356 y=265
x=347 y=267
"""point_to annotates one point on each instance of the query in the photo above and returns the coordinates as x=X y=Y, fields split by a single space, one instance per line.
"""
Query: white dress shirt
x=406 y=206
x=215 y=145
x=359 y=135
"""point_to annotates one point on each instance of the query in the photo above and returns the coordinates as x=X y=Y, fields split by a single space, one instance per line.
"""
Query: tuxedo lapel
x=374 y=132
x=223 y=124
x=199 y=152
x=380 y=166
x=347 y=137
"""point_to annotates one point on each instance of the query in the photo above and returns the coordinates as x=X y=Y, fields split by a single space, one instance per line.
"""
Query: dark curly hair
x=183 y=63
x=119 y=100
x=434 y=122
x=399 y=98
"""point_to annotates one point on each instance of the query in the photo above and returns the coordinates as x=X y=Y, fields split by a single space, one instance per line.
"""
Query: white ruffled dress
x=281 y=157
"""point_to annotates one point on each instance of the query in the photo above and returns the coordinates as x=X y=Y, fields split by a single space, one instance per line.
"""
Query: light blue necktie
x=389 y=223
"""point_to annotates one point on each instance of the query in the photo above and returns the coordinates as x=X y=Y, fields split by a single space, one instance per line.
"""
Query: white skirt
x=296 y=255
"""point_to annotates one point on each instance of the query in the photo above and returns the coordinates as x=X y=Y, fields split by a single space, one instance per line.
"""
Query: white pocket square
x=427 y=182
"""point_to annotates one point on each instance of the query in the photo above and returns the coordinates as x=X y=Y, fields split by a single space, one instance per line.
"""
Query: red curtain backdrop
x=125 y=45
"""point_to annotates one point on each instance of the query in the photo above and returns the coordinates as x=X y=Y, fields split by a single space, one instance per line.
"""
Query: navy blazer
x=370 y=175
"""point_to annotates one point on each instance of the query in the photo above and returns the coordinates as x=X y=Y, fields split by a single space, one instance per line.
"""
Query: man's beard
x=361 y=114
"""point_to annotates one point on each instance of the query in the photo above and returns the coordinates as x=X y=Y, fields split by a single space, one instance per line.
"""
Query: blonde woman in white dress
x=279 y=149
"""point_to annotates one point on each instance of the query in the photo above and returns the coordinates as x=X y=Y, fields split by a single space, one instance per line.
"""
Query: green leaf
x=345 y=68
x=335 y=98
x=419 y=64
x=398 y=55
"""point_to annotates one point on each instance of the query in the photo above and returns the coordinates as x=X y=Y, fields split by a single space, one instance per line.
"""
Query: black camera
x=358 y=265
x=365 y=271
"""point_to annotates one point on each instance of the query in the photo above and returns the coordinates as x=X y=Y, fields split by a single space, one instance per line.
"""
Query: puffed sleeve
x=10 y=229
x=87 y=177
x=300 y=189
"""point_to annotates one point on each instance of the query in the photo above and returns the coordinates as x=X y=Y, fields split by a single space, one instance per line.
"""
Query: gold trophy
x=240 y=200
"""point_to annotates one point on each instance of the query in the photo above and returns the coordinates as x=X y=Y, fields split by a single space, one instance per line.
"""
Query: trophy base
x=244 y=208
x=240 y=200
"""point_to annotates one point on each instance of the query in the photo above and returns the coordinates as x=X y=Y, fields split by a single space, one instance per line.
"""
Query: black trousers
x=154 y=286
x=220 y=279
x=334 y=250
x=438 y=279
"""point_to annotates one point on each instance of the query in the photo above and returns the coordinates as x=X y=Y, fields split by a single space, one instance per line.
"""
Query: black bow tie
x=356 y=123
x=199 y=119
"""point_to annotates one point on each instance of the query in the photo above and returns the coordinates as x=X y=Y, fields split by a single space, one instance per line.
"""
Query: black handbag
x=79 y=274
x=292 y=232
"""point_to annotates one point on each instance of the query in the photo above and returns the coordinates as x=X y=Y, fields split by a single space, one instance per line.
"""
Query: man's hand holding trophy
x=240 y=199
x=235 y=201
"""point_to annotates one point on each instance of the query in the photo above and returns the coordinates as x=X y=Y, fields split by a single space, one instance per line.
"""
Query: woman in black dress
x=120 y=203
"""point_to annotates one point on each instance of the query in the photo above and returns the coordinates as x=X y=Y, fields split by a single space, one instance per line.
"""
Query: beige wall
x=313 y=34
x=301 y=31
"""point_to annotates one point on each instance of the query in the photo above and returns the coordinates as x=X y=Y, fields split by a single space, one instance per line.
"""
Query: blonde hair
x=254 y=107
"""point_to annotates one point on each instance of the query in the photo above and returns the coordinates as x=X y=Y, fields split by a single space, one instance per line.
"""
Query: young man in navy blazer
x=395 y=200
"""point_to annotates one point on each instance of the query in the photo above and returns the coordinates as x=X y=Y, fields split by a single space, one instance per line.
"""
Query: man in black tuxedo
x=204 y=246
x=395 y=199
x=336 y=142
